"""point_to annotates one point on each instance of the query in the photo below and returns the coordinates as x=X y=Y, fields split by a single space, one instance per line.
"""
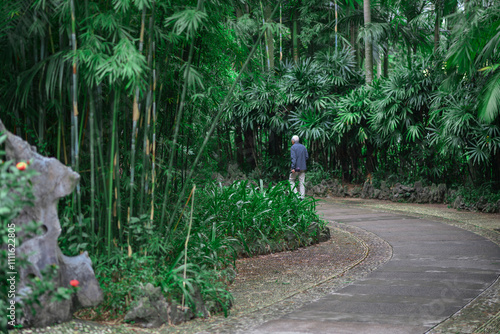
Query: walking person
x=299 y=155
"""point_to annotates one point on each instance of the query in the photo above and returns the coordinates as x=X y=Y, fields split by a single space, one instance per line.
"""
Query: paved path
x=435 y=270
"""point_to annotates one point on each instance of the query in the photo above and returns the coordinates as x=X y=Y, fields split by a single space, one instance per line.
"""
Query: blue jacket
x=299 y=156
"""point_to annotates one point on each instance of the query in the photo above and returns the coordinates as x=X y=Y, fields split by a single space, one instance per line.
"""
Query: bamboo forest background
x=145 y=98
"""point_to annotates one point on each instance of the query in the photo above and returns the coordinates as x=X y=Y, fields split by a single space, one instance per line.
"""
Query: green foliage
x=240 y=219
x=316 y=174
x=257 y=218
x=485 y=193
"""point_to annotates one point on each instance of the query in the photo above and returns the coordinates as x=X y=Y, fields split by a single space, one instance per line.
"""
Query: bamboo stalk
x=135 y=118
x=265 y=38
x=118 y=191
x=92 y=166
x=111 y=169
x=153 y=151
x=74 y=117
x=336 y=22
x=281 y=36
x=187 y=241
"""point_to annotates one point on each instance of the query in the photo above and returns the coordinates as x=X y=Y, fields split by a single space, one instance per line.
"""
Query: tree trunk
x=437 y=24
x=370 y=158
x=386 y=60
x=249 y=149
x=268 y=10
x=295 y=34
x=379 y=62
x=368 y=44
x=352 y=31
x=238 y=140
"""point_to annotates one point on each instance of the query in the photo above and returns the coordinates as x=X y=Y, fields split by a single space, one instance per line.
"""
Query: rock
x=217 y=177
x=319 y=190
x=442 y=190
x=317 y=234
x=368 y=190
x=490 y=208
x=418 y=186
x=325 y=234
x=233 y=174
x=200 y=307
x=355 y=192
x=383 y=186
x=385 y=192
x=335 y=188
x=459 y=203
x=401 y=192
x=179 y=315
x=377 y=193
x=423 y=195
x=53 y=182
x=151 y=310
x=481 y=203
x=438 y=193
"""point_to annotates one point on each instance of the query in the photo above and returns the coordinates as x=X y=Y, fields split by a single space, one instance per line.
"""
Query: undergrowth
x=228 y=222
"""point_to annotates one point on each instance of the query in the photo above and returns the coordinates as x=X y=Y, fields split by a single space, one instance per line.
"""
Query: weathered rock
x=385 y=191
x=317 y=233
x=324 y=235
x=368 y=190
x=178 y=315
x=481 y=203
x=233 y=174
x=337 y=189
x=53 y=182
x=490 y=208
x=423 y=195
x=320 y=190
x=442 y=190
x=355 y=191
x=418 y=186
x=401 y=192
x=151 y=309
x=459 y=203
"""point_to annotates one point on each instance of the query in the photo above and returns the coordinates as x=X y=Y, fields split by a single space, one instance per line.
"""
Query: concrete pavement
x=436 y=269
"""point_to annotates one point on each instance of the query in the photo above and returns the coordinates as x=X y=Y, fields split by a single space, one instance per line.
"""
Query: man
x=299 y=155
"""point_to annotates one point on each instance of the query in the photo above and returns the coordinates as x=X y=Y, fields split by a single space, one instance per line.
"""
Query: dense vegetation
x=147 y=98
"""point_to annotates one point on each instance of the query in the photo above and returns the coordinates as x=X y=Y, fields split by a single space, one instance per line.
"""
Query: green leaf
x=187 y=22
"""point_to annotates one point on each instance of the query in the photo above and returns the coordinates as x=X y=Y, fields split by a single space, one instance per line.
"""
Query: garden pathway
x=435 y=270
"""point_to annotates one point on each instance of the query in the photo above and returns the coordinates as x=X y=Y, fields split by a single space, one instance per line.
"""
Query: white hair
x=295 y=139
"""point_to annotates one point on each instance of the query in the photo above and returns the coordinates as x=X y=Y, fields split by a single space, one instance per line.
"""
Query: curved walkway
x=435 y=270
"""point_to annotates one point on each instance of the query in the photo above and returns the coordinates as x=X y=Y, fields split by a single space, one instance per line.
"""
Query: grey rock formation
x=385 y=191
x=53 y=182
x=151 y=310
x=401 y=192
x=355 y=191
x=368 y=190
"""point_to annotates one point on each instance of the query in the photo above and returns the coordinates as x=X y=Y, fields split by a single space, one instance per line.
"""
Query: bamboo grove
x=145 y=98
